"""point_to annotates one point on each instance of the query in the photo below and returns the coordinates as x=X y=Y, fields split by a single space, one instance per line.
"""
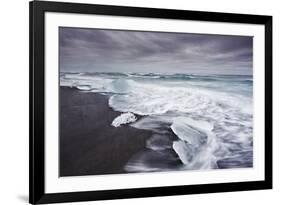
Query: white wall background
x=14 y=100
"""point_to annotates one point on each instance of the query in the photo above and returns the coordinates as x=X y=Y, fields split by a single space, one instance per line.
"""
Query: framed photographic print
x=140 y=102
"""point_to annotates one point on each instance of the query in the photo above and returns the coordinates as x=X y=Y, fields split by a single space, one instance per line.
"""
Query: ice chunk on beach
x=196 y=143
x=191 y=131
x=124 y=118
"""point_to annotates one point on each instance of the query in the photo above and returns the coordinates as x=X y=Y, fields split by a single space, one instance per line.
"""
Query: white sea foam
x=124 y=118
x=147 y=99
x=85 y=83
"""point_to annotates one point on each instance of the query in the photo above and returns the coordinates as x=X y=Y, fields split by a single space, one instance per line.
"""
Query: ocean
x=203 y=121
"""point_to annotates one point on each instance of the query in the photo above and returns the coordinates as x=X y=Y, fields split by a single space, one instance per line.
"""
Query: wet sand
x=89 y=145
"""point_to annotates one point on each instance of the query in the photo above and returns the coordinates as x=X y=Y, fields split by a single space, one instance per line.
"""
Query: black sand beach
x=89 y=145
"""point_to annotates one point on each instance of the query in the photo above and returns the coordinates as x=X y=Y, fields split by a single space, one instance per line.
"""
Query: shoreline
x=89 y=144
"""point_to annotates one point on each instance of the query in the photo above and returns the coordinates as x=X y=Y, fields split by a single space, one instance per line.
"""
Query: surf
x=205 y=121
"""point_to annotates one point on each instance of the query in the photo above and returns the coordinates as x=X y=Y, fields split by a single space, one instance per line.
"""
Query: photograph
x=147 y=101
x=132 y=102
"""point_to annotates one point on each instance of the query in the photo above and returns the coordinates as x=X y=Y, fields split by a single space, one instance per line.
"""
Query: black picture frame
x=37 y=9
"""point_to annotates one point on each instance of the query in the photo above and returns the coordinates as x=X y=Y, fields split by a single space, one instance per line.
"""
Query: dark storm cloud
x=94 y=50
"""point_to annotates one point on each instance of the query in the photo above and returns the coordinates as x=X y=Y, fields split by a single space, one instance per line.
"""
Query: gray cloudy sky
x=94 y=50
